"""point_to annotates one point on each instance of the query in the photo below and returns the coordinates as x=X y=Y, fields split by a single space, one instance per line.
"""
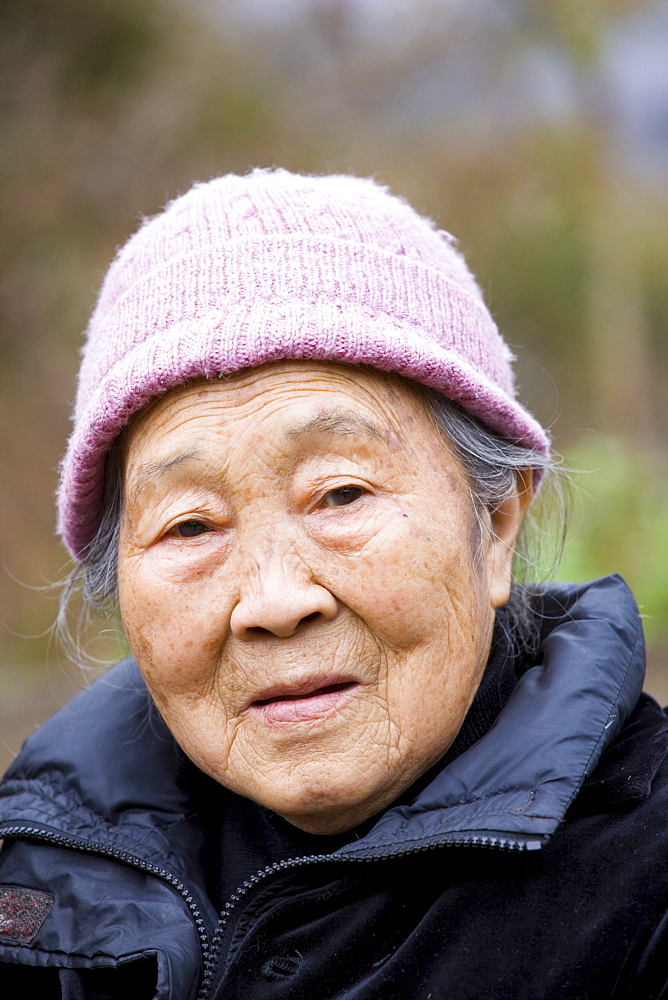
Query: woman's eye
x=342 y=496
x=189 y=529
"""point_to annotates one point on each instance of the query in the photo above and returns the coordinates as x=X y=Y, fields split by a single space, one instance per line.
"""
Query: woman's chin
x=329 y=822
x=326 y=804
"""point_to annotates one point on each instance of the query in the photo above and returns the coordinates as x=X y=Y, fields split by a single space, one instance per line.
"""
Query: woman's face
x=302 y=584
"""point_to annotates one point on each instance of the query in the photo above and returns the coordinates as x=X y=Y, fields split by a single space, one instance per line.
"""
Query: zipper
x=213 y=970
x=89 y=847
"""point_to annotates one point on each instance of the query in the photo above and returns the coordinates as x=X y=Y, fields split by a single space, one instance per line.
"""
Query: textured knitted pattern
x=245 y=270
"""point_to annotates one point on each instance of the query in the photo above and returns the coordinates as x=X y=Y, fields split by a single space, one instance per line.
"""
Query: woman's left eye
x=342 y=496
x=189 y=529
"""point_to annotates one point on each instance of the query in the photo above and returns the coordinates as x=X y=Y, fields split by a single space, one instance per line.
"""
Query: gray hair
x=492 y=466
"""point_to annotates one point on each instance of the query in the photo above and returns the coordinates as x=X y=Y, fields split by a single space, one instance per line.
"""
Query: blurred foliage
x=93 y=48
x=619 y=524
x=110 y=108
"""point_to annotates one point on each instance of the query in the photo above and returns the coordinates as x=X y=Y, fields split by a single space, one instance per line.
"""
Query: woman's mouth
x=302 y=703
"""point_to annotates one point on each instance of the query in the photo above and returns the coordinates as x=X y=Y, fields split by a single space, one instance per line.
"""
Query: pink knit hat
x=244 y=270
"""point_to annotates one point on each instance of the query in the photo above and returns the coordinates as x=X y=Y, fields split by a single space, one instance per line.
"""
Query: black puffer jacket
x=532 y=864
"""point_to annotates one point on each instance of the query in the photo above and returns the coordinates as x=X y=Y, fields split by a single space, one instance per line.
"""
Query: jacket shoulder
x=634 y=768
x=106 y=771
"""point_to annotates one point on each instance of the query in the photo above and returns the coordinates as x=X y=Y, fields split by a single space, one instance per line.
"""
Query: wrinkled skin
x=303 y=584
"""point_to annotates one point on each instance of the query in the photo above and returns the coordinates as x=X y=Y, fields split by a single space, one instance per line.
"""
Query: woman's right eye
x=189 y=529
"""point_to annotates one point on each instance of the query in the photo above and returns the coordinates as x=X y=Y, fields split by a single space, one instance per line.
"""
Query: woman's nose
x=278 y=595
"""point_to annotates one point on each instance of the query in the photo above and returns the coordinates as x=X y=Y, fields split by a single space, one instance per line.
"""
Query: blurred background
x=535 y=130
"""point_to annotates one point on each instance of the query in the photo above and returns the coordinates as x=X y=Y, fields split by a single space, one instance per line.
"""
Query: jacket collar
x=105 y=770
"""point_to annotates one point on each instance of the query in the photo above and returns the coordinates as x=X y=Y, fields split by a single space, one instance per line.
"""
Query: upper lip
x=301 y=689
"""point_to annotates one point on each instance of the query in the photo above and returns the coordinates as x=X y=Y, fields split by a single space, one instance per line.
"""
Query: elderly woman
x=350 y=759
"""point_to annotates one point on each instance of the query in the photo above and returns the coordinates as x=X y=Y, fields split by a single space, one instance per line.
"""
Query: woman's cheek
x=173 y=601
x=380 y=582
x=170 y=645
x=415 y=580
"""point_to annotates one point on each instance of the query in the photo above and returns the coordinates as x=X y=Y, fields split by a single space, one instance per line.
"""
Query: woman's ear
x=504 y=524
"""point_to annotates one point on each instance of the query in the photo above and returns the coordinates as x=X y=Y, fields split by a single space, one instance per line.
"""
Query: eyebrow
x=150 y=472
x=339 y=421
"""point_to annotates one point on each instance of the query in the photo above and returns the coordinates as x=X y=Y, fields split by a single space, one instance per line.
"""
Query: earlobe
x=505 y=523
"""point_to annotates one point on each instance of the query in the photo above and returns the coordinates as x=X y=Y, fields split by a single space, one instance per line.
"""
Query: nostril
x=259 y=630
x=280 y=608
x=311 y=617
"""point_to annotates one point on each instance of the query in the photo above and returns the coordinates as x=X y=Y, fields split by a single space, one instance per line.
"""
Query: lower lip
x=307 y=709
